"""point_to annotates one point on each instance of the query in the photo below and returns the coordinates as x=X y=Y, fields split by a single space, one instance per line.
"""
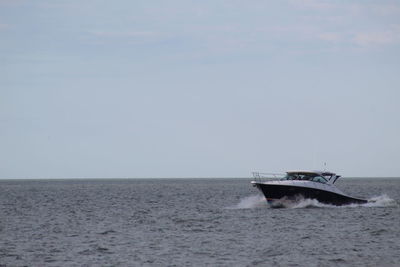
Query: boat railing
x=267 y=176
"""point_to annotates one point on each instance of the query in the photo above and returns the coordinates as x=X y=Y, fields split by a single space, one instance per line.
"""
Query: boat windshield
x=305 y=177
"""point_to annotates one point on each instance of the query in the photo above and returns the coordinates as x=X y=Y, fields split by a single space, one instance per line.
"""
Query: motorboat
x=296 y=185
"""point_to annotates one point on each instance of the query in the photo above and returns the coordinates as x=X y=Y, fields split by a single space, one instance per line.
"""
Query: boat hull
x=273 y=192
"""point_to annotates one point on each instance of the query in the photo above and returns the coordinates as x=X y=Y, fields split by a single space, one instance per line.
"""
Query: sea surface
x=192 y=222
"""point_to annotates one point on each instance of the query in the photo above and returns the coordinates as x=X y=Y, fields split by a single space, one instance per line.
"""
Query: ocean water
x=192 y=222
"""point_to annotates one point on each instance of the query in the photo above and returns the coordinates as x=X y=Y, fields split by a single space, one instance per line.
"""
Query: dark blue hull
x=274 y=192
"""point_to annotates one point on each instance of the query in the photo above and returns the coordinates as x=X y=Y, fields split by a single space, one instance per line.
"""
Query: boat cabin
x=314 y=176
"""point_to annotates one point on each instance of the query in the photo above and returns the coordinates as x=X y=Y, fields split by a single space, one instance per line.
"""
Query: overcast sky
x=213 y=88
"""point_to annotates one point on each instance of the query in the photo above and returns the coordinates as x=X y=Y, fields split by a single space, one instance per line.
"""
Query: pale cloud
x=330 y=36
x=132 y=37
x=314 y=4
x=12 y=2
x=381 y=9
x=4 y=26
x=387 y=9
x=387 y=37
x=367 y=24
x=300 y=29
x=123 y=33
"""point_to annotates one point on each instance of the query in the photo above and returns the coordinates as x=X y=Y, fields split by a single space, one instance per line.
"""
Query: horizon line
x=207 y=177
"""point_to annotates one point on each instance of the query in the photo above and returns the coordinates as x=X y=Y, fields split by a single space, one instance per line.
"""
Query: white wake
x=257 y=201
x=379 y=201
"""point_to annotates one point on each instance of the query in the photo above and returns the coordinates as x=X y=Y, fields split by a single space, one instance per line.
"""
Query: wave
x=257 y=201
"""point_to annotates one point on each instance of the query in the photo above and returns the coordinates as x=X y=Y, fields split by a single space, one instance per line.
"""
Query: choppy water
x=192 y=222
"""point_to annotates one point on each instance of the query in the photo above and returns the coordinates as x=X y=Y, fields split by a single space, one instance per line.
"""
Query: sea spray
x=250 y=202
x=308 y=203
x=257 y=201
x=380 y=201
